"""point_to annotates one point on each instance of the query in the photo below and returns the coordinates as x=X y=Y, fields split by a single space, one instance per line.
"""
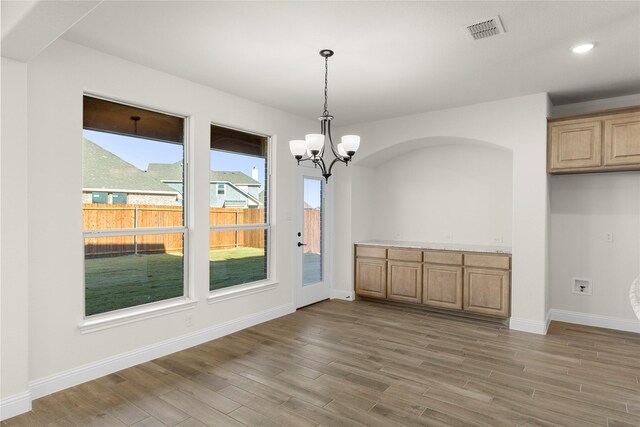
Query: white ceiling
x=392 y=58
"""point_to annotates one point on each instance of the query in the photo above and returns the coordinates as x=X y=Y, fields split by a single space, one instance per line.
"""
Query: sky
x=312 y=191
x=140 y=152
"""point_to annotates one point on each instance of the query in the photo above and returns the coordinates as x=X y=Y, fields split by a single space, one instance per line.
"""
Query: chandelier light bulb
x=298 y=147
x=315 y=142
x=351 y=143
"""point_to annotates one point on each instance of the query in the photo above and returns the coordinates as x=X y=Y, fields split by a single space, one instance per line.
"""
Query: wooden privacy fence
x=312 y=234
x=105 y=217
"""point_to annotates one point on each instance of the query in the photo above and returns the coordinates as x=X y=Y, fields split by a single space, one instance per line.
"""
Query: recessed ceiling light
x=582 y=48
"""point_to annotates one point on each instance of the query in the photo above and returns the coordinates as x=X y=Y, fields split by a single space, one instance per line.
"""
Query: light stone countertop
x=440 y=246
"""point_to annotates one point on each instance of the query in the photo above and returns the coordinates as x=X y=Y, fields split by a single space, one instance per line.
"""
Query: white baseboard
x=88 y=372
x=531 y=326
x=15 y=405
x=342 y=294
x=595 y=320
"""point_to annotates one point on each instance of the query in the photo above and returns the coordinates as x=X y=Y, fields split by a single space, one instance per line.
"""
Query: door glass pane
x=126 y=271
x=237 y=257
x=313 y=236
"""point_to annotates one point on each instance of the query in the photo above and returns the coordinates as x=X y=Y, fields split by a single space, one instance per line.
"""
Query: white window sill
x=122 y=317
x=238 y=291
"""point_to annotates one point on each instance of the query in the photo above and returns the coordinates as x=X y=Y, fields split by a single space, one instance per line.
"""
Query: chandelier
x=313 y=146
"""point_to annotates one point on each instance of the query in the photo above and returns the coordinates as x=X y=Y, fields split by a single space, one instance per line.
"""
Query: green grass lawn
x=236 y=266
x=112 y=283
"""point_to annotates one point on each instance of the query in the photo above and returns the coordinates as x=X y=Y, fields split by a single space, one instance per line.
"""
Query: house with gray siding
x=227 y=189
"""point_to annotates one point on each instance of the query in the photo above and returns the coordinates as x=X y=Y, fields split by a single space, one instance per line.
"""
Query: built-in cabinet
x=599 y=142
x=473 y=282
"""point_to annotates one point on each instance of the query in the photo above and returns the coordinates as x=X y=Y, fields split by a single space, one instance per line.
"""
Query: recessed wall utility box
x=581 y=286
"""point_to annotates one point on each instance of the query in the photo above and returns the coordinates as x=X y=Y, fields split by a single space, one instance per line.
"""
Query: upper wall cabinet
x=622 y=140
x=607 y=141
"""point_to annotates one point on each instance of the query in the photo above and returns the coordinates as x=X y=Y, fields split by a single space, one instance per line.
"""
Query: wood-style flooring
x=359 y=363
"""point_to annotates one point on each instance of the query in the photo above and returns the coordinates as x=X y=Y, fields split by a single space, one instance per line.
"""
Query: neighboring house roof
x=173 y=172
x=307 y=205
x=102 y=169
x=235 y=177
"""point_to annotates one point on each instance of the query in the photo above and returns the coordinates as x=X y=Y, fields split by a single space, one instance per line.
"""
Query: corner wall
x=43 y=349
x=518 y=124
x=14 y=289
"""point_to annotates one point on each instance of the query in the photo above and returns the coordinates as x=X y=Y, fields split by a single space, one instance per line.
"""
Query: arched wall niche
x=515 y=124
x=375 y=159
x=439 y=189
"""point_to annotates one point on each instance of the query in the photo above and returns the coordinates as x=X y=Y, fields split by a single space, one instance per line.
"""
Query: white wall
x=14 y=291
x=57 y=79
x=455 y=192
x=583 y=208
x=517 y=124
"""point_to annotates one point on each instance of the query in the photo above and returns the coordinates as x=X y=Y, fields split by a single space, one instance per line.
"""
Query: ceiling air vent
x=484 y=29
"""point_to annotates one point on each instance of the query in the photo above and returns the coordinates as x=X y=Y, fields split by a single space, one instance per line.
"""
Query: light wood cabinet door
x=371 y=277
x=442 y=286
x=622 y=140
x=404 y=281
x=575 y=145
x=486 y=291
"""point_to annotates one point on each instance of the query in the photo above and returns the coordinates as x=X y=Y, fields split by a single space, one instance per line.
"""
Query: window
x=239 y=222
x=134 y=242
x=221 y=189
x=99 y=197
x=119 y=198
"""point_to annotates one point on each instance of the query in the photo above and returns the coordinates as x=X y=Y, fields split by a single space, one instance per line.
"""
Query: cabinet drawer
x=404 y=255
x=487 y=261
x=371 y=252
x=436 y=257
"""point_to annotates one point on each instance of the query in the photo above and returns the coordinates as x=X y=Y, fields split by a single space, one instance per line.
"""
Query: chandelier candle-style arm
x=312 y=148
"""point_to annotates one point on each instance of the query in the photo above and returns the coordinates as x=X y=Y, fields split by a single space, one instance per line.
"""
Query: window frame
x=187 y=300
x=224 y=187
x=269 y=282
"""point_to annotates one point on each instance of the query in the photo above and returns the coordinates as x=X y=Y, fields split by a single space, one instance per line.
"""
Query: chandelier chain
x=326 y=80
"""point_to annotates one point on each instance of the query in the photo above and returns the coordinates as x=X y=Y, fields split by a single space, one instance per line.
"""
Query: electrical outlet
x=608 y=236
x=189 y=320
